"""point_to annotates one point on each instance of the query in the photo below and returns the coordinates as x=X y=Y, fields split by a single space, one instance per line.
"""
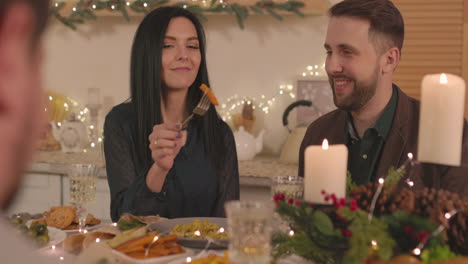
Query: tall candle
x=441 y=119
x=325 y=169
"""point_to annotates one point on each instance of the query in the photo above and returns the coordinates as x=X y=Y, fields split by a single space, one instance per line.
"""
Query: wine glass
x=82 y=179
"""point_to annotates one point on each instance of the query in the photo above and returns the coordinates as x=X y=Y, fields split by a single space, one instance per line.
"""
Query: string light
x=374 y=199
x=145 y=4
x=74 y=9
x=188 y=259
x=94 y=6
x=291 y=233
x=228 y=108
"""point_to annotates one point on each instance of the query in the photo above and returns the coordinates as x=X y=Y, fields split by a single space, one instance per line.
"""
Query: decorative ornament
x=85 y=10
x=405 y=225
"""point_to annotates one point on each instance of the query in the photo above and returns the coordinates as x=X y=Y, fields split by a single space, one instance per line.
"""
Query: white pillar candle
x=325 y=169
x=441 y=119
x=94 y=96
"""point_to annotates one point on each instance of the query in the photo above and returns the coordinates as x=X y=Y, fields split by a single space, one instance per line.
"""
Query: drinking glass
x=82 y=179
x=250 y=227
x=290 y=186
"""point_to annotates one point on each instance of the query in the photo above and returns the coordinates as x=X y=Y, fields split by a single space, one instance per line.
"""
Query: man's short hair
x=40 y=9
x=386 y=29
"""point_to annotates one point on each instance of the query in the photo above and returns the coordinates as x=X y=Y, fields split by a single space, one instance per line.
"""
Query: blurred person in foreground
x=375 y=119
x=22 y=23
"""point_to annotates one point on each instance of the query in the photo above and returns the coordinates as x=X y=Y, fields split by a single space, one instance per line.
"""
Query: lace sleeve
x=229 y=180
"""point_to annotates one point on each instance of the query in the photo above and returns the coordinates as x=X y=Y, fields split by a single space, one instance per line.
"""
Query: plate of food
x=65 y=218
x=196 y=232
x=150 y=248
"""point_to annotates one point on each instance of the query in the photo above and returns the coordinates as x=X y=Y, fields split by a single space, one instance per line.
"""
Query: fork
x=201 y=108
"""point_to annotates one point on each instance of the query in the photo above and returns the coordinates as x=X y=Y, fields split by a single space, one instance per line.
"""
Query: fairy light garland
x=82 y=115
x=265 y=104
x=84 y=10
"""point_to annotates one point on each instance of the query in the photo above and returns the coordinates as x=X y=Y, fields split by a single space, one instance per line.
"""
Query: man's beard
x=361 y=94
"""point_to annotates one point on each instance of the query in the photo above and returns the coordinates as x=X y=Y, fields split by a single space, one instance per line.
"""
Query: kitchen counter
x=256 y=172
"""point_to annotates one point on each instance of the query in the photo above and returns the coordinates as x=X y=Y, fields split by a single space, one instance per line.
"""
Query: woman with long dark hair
x=153 y=165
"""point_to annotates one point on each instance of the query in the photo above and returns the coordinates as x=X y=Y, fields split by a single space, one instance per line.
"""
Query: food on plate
x=209 y=93
x=128 y=221
x=73 y=243
x=127 y=235
x=150 y=246
x=61 y=217
x=22 y=218
x=64 y=217
x=92 y=237
x=212 y=259
x=77 y=242
x=197 y=229
x=37 y=231
x=125 y=224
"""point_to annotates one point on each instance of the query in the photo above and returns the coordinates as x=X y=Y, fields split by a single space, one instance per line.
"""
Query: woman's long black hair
x=146 y=84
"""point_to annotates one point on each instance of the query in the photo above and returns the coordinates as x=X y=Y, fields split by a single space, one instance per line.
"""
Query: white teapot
x=72 y=135
x=247 y=145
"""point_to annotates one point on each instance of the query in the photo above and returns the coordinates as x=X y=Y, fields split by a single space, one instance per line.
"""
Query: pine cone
x=402 y=200
x=457 y=232
x=364 y=195
x=427 y=203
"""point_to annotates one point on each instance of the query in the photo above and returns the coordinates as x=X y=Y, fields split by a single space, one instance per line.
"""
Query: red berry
x=408 y=229
x=290 y=201
x=298 y=202
x=323 y=192
x=342 y=201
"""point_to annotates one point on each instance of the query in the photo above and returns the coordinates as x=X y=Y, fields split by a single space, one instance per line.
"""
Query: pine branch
x=86 y=10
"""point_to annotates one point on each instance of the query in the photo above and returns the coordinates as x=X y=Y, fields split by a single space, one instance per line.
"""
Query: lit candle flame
x=381 y=181
x=417 y=251
x=410 y=156
x=443 y=78
x=197 y=233
x=325 y=144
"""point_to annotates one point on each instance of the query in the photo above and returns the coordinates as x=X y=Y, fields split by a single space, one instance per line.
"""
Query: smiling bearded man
x=376 y=120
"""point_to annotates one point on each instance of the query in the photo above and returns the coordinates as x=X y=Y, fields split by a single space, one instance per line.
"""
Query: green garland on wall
x=85 y=10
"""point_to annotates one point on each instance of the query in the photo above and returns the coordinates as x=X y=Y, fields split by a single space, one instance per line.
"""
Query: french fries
x=158 y=246
x=209 y=93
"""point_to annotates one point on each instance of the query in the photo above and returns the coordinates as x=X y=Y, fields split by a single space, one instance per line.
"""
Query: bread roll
x=73 y=243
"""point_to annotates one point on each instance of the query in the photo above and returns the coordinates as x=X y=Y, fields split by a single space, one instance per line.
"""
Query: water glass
x=250 y=227
x=82 y=180
x=290 y=186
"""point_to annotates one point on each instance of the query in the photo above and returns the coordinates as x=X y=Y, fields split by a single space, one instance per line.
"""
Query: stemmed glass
x=82 y=179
